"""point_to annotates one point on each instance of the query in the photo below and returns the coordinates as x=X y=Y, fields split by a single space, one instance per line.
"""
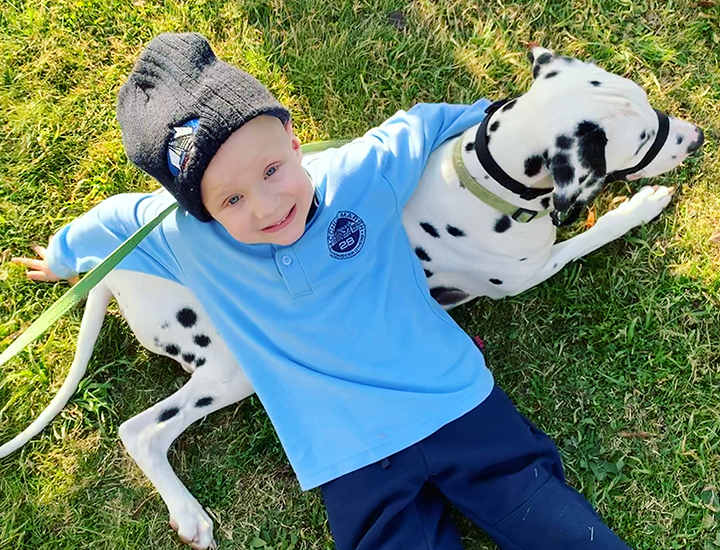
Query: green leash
x=81 y=289
x=95 y=275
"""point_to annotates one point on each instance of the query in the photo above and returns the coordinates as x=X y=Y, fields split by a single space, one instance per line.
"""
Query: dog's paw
x=193 y=524
x=644 y=206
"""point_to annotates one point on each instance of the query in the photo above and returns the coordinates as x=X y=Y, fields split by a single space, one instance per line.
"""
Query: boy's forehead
x=257 y=135
x=251 y=145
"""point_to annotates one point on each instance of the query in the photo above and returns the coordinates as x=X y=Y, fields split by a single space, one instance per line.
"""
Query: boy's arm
x=409 y=137
x=85 y=242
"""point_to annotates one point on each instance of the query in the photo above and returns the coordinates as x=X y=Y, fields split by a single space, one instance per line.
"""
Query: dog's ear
x=539 y=57
x=577 y=164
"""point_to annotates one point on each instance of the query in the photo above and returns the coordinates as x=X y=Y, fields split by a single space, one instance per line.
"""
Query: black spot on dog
x=544 y=59
x=563 y=172
x=567 y=59
x=591 y=146
x=172 y=349
x=470 y=146
x=448 y=296
x=428 y=274
x=522 y=259
x=204 y=402
x=420 y=253
x=487 y=177
x=202 y=340
x=536 y=71
x=503 y=224
x=186 y=317
x=167 y=414
x=164 y=325
x=643 y=140
x=156 y=340
x=533 y=165
x=454 y=231
x=509 y=105
x=583 y=178
x=430 y=230
x=679 y=140
x=545 y=202
x=495 y=125
x=551 y=74
x=595 y=83
x=188 y=357
x=496 y=281
x=200 y=362
x=564 y=142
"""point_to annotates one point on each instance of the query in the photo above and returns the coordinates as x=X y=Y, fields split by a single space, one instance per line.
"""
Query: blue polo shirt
x=350 y=356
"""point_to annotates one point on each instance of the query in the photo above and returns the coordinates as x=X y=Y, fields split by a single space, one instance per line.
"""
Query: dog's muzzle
x=561 y=219
x=660 y=139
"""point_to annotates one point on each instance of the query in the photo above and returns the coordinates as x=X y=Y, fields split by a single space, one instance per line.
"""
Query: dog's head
x=586 y=126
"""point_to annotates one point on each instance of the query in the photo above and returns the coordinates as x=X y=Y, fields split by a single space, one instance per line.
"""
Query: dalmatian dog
x=484 y=216
x=482 y=222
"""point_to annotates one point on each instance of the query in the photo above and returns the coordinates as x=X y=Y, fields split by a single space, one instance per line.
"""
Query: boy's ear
x=294 y=141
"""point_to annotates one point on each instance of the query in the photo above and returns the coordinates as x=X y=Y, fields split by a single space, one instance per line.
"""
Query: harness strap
x=492 y=167
x=519 y=214
x=660 y=138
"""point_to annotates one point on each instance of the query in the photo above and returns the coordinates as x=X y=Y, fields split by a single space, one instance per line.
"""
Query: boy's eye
x=234 y=199
x=270 y=171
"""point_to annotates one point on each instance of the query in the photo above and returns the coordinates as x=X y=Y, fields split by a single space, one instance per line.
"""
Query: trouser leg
x=507 y=477
x=389 y=505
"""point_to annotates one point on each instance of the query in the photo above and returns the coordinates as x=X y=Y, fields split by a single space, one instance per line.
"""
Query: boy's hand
x=39 y=270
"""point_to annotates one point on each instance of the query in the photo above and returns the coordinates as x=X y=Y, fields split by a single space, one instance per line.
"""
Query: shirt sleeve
x=86 y=241
x=408 y=138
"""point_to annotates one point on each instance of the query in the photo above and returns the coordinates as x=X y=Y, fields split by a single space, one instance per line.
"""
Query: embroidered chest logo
x=181 y=143
x=346 y=235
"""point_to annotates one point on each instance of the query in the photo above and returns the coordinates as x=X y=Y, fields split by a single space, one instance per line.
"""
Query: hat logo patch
x=346 y=235
x=180 y=145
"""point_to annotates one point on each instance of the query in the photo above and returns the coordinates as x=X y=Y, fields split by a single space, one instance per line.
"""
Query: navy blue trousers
x=495 y=466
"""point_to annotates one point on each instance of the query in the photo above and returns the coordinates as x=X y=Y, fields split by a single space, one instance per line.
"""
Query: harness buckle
x=523 y=215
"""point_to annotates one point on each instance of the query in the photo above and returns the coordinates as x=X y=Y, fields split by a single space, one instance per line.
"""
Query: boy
x=377 y=395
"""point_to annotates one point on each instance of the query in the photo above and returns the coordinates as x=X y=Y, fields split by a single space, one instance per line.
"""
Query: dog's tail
x=92 y=320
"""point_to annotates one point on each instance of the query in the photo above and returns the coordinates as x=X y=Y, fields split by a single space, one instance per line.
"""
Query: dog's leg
x=148 y=436
x=644 y=206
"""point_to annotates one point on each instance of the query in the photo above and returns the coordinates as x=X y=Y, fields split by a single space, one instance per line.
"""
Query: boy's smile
x=255 y=185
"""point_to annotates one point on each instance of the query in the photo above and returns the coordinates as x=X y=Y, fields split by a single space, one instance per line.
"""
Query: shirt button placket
x=291 y=271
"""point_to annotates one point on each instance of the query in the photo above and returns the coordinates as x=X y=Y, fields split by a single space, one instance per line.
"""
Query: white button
x=286 y=260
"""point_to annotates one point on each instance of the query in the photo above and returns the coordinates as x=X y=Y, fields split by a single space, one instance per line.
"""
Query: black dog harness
x=530 y=193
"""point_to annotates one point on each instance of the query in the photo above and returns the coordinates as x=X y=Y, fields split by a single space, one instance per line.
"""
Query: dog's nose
x=694 y=146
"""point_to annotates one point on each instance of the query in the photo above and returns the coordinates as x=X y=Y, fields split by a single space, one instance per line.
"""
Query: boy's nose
x=266 y=205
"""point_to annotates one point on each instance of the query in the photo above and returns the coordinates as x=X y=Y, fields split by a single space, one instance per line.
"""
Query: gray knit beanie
x=179 y=105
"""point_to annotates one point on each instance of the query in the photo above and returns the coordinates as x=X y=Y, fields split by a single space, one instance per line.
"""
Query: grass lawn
x=617 y=357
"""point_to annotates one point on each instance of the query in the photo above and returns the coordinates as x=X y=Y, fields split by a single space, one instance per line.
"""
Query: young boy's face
x=255 y=185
